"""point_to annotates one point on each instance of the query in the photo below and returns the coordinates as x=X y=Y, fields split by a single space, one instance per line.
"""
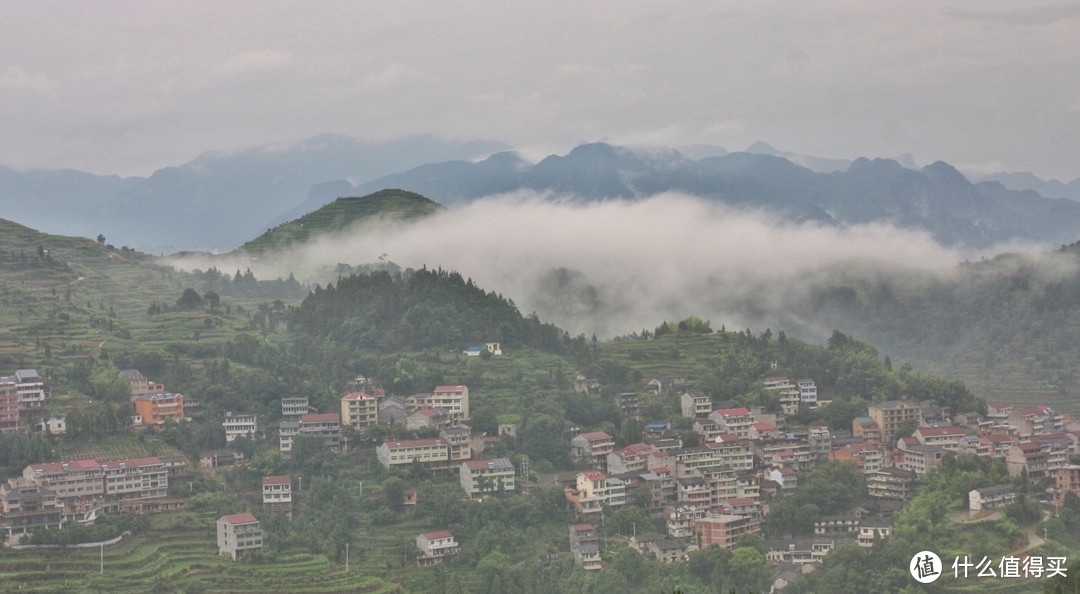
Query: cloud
x=614 y=267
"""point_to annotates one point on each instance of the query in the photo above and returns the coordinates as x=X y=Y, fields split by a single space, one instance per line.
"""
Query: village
x=711 y=493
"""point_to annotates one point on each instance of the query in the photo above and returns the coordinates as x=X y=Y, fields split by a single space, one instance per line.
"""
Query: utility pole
x=346 y=557
x=102 y=562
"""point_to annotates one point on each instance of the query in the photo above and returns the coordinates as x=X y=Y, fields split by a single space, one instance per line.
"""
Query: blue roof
x=656 y=426
x=475 y=348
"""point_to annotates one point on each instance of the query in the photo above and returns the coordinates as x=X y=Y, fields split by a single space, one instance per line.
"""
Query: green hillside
x=394 y=205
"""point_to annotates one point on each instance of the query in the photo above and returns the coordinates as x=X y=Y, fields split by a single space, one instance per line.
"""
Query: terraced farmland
x=178 y=562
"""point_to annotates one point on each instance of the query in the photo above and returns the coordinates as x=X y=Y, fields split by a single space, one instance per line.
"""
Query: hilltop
x=384 y=205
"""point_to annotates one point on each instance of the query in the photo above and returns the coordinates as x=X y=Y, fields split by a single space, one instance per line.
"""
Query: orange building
x=155 y=408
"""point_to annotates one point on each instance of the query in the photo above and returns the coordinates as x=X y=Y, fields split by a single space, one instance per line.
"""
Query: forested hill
x=420 y=309
x=1009 y=327
x=394 y=205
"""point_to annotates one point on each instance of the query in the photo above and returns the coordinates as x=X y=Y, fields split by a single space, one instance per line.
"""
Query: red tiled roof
x=244 y=518
x=594 y=475
x=938 y=431
x=582 y=527
x=438 y=534
x=765 y=427
x=277 y=480
x=732 y=412
x=321 y=418
x=1032 y=410
x=449 y=388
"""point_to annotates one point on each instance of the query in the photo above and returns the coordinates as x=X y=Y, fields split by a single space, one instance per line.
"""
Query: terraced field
x=177 y=562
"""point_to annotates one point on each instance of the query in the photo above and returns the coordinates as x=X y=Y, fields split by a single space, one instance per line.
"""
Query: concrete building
x=592 y=448
x=238 y=535
x=26 y=506
x=890 y=415
x=294 y=407
x=487 y=477
x=585 y=545
x=359 y=410
x=453 y=398
x=394 y=454
x=988 y=498
x=239 y=424
x=33 y=393
x=723 y=530
x=9 y=405
x=277 y=494
x=326 y=426
x=139 y=384
x=435 y=547
x=695 y=405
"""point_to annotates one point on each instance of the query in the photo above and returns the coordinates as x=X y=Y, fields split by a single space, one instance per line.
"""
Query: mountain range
x=218 y=200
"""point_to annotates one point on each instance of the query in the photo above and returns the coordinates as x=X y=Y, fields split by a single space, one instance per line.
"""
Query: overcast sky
x=130 y=87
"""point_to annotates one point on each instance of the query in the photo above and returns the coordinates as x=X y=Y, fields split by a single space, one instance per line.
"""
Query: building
x=239 y=424
x=26 y=506
x=585 y=545
x=592 y=448
x=155 y=408
x=591 y=493
x=458 y=441
x=872 y=530
x=220 y=458
x=9 y=404
x=33 y=393
x=836 y=524
x=54 y=424
x=680 y=520
x=869 y=457
x=734 y=420
x=629 y=403
x=632 y=458
x=238 y=535
x=135 y=478
x=994 y=497
x=277 y=494
x=892 y=483
x=453 y=398
x=139 y=384
x=484 y=477
x=1036 y=420
x=866 y=429
x=294 y=407
x=695 y=405
x=326 y=426
x=1066 y=480
x=435 y=547
x=394 y=454
x=891 y=415
x=946 y=437
x=359 y=410
x=723 y=530
x=393 y=410
x=808 y=395
x=287 y=430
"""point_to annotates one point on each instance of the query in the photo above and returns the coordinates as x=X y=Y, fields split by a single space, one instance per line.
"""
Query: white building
x=435 y=546
x=237 y=424
x=237 y=534
x=484 y=477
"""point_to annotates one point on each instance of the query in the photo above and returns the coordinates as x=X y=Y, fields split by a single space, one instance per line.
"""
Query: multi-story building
x=592 y=448
x=695 y=405
x=1066 y=480
x=32 y=389
x=734 y=420
x=789 y=401
x=359 y=410
x=239 y=424
x=632 y=458
x=287 y=431
x=629 y=403
x=435 y=547
x=729 y=451
x=155 y=408
x=820 y=439
x=453 y=398
x=694 y=491
x=912 y=455
x=75 y=479
x=26 y=506
x=808 y=395
x=836 y=524
x=484 y=477
x=872 y=530
x=294 y=407
x=1036 y=420
x=139 y=384
x=946 y=437
x=9 y=404
x=458 y=441
x=277 y=494
x=394 y=454
x=326 y=426
x=1029 y=457
x=135 y=478
x=892 y=483
x=868 y=456
x=866 y=429
x=779 y=382
x=891 y=415
x=591 y=493
x=585 y=545
x=238 y=535
x=724 y=530
x=680 y=520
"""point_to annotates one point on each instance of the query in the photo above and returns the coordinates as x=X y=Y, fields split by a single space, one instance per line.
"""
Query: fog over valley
x=614 y=267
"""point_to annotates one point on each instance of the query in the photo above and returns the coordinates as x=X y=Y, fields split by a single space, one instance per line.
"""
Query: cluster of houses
x=53 y=494
x=23 y=395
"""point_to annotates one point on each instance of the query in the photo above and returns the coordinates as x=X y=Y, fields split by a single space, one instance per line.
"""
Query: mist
x=616 y=267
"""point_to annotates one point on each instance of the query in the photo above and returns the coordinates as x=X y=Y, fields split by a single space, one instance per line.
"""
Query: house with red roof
x=238 y=535
x=435 y=547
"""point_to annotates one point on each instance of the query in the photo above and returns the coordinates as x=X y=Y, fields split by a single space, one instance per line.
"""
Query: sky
x=129 y=87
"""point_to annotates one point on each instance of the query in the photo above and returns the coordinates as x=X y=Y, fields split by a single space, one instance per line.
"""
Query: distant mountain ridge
x=216 y=200
x=936 y=198
x=1029 y=181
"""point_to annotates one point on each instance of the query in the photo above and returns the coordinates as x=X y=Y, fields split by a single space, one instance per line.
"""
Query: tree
x=190 y=299
x=393 y=490
x=101 y=239
x=747 y=571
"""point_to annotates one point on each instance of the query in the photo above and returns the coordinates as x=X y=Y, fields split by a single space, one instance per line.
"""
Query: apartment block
x=453 y=398
x=239 y=424
x=26 y=506
x=277 y=494
x=394 y=454
x=723 y=530
x=484 y=477
x=890 y=415
x=155 y=408
x=359 y=410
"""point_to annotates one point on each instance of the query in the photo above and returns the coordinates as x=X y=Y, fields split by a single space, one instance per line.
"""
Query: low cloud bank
x=615 y=267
